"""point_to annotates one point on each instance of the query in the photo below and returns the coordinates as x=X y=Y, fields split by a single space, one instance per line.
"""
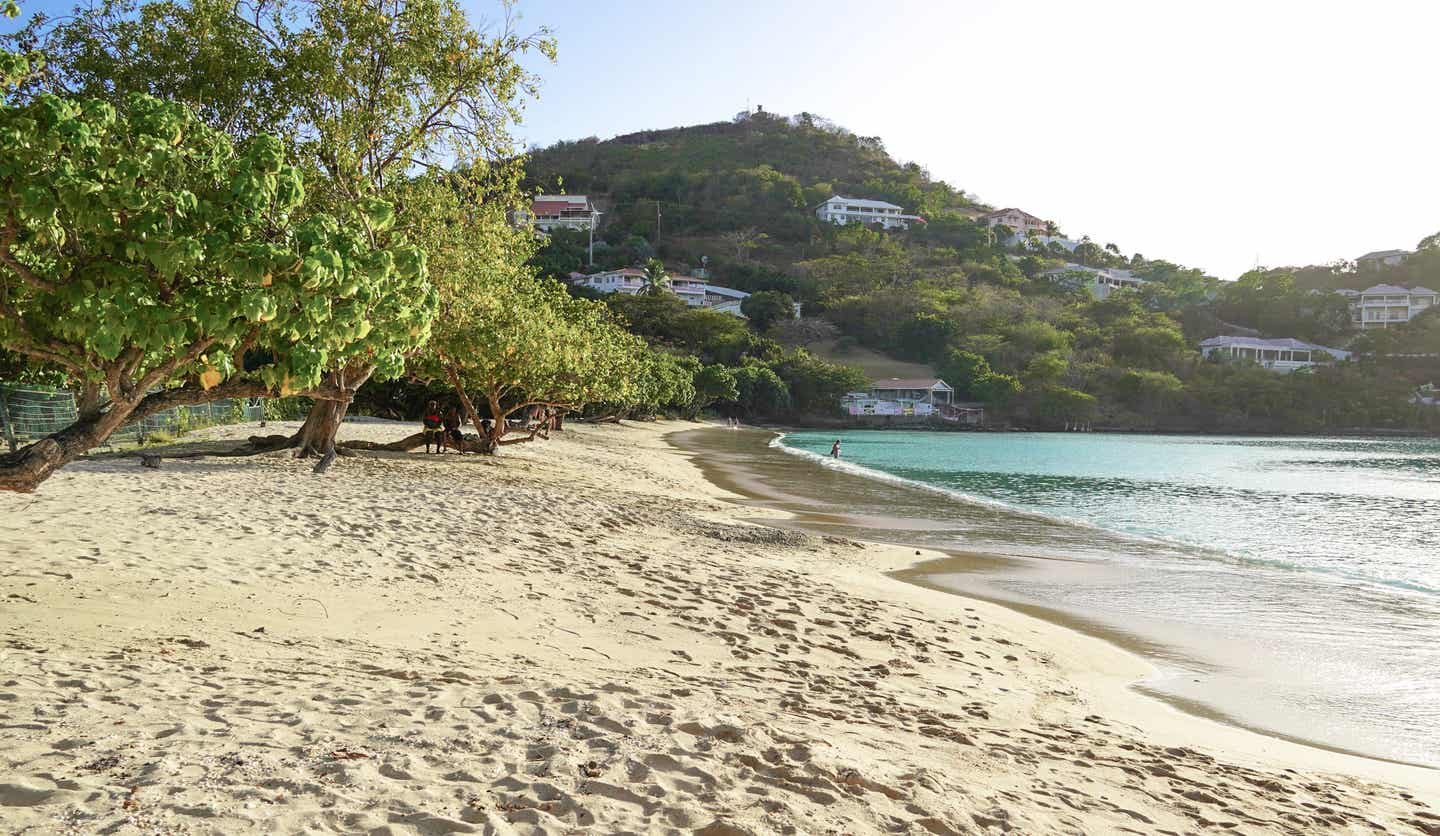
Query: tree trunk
x=317 y=435
x=26 y=468
x=485 y=444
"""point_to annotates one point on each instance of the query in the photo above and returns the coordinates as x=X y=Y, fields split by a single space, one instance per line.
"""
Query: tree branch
x=28 y=276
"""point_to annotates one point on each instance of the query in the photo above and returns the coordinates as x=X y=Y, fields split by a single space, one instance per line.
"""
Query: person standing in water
x=835 y=449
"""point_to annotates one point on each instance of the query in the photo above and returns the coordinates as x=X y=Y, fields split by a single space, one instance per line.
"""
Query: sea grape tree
x=515 y=341
x=157 y=262
x=365 y=93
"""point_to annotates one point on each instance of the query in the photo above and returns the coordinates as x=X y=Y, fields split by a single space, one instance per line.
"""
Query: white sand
x=575 y=637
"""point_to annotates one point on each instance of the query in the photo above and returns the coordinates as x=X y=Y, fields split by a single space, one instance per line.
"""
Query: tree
x=1059 y=404
x=656 y=280
x=364 y=94
x=712 y=384
x=815 y=385
x=996 y=389
x=1148 y=392
x=142 y=249
x=766 y=308
x=963 y=370
x=743 y=241
x=760 y=391
x=513 y=342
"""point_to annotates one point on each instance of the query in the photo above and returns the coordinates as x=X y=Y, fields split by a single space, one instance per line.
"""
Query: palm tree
x=656 y=280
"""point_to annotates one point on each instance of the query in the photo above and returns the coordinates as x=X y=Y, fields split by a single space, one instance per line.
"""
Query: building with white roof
x=1381 y=258
x=853 y=210
x=1283 y=355
x=696 y=292
x=1386 y=304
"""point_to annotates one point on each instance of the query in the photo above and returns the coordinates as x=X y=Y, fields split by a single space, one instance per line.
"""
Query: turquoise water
x=1365 y=509
x=1297 y=579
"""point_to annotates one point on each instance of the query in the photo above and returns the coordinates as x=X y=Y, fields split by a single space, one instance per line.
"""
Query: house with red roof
x=565 y=211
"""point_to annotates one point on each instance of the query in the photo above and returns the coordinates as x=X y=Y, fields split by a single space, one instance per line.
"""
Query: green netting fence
x=28 y=413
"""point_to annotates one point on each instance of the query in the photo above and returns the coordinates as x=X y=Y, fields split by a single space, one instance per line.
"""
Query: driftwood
x=472 y=444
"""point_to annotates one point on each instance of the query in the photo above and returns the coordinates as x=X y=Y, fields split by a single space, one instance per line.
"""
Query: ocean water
x=1291 y=585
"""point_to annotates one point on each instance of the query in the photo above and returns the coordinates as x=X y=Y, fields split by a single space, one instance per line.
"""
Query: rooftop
x=862 y=201
x=1285 y=344
x=1395 y=288
x=909 y=383
x=999 y=212
x=1382 y=254
x=569 y=199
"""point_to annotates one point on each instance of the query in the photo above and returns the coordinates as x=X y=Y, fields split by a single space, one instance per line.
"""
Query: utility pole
x=594 y=219
x=657 y=223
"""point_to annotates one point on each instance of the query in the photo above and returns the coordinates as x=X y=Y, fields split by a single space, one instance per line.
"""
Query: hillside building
x=857 y=210
x=1283 y=356
x=1021 y=223
x=696 y=292
x=1381 y=258
x=559 y=211
x=1386 y=304
x=1100 y=281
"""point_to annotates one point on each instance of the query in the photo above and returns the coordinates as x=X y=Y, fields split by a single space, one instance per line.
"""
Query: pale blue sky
x=1206 y=133
x=1298 y=131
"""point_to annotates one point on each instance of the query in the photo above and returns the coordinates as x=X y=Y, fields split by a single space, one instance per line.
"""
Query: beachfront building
x=1284 y=355
x=910 y=399
x=559 y=211
x=1381 y=258
x=1100 y=281
x=1386 y=304
x=858 y=210
x=915 y=390
x=1021 y=223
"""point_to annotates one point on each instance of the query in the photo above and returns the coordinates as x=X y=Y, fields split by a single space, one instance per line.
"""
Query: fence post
x=5 y=420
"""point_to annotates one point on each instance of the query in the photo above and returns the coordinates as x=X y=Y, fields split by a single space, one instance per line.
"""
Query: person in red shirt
x=433 y=427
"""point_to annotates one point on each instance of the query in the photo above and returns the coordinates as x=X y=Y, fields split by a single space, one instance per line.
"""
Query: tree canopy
x=142 y=248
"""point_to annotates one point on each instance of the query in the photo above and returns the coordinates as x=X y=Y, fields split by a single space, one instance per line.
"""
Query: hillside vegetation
x=972 y=303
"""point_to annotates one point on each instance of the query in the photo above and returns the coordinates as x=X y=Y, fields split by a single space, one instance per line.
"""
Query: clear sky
x=1209 y=133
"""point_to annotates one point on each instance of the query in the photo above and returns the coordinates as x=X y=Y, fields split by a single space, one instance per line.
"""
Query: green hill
x=759 y=171
x=949 y=294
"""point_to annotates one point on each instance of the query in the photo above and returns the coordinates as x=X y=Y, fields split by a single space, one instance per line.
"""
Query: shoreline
x=1353 y=432
x=584 y=635
x=925 y=569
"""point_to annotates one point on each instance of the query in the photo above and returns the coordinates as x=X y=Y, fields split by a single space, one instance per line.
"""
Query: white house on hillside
x=1101 y=281
x=1381 y=258
x=1283 y=356
x=857 y=210
x=697 y=293
x=562 y=211
x=1022 y=223
x=1388 y=304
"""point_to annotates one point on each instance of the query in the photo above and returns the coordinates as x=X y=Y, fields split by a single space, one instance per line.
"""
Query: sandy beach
x=577 y=636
